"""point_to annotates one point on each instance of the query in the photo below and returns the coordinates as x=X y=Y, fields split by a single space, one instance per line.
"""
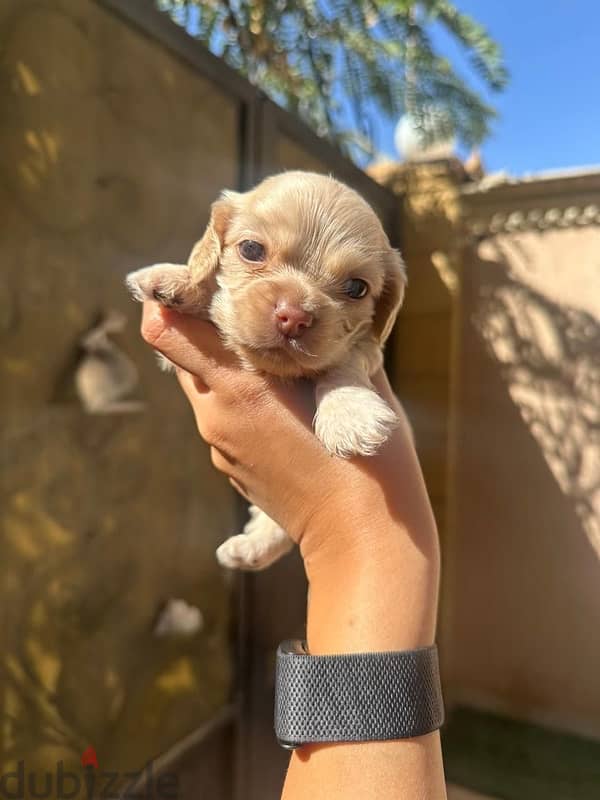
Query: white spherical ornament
x=412 y=137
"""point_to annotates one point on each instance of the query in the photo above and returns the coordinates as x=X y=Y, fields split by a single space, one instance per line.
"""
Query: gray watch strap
x=355 y=697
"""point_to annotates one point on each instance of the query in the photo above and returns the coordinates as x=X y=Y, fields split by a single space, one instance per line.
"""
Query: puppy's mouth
x=286 y=348
x=292 y=345
x=283 y=355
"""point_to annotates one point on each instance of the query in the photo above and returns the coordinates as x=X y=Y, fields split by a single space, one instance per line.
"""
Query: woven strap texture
x=356 y=697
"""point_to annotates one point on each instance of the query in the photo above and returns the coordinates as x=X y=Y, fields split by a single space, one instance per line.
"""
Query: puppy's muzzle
x=291 y=319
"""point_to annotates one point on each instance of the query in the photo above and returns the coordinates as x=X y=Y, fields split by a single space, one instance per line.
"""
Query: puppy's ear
x=205 y=255
x=390 y=300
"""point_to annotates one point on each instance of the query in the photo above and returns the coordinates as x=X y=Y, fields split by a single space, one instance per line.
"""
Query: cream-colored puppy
x=300 y=279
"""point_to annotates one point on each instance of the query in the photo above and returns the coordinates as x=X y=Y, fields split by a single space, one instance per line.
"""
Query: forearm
x=380 y=594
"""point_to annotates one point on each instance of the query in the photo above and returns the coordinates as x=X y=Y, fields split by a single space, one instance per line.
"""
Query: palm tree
x=336 y=63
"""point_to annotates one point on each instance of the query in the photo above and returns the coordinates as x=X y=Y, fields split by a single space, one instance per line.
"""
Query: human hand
x=358 y=520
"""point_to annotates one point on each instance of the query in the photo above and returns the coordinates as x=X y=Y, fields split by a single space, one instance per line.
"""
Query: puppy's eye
x=356 y=288
x=251 y=250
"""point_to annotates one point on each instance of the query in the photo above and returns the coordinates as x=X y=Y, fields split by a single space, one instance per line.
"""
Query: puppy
x=300 y=279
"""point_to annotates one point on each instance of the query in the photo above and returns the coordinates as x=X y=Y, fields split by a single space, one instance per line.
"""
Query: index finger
x=191 y=343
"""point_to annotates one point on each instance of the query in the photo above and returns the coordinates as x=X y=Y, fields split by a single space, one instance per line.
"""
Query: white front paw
x=353 y=420
x=245 y=552
x=262 y=543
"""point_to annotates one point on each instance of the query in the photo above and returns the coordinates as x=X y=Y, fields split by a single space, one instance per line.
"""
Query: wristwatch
x=355 y=697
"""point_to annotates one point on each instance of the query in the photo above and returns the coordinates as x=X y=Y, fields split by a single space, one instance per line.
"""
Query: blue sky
x=550 y=111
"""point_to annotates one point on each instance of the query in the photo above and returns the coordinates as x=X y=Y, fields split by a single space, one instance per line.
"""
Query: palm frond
x=291 y=49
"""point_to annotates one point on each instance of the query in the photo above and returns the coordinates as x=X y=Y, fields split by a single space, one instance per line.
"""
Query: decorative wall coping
x=540 y=219
x=500 y=204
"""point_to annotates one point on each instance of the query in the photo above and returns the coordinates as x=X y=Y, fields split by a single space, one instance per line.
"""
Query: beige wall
x=522 y=558
x=496 y=356
x=110 y=153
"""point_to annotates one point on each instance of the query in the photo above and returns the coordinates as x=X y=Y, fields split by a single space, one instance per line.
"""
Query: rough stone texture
x=110 y=152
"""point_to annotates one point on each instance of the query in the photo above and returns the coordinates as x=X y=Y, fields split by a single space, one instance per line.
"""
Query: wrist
x=361 y=533
x=372 y=588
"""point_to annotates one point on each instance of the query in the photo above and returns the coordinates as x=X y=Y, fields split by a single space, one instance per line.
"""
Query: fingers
x=222 y=461
x=188 y=342
x=212 y=420
x=192 y=385
x=240 y=489
x=382 y=385
x=202 y=402
x=226 y=465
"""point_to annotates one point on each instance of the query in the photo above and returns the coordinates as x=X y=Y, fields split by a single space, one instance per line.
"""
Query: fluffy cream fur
x=261 y=544
x=316 y=234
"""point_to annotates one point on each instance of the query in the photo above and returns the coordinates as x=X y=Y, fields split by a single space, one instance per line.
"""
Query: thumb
x=190 y=343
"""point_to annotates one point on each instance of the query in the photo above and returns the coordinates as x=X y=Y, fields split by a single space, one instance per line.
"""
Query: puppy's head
x=305 y=270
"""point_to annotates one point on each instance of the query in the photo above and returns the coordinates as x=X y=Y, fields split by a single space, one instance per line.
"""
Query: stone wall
x=112 y=148
x=110 y=152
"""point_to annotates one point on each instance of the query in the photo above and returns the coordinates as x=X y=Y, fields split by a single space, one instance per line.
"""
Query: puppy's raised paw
x=169 y=284
x=242 y=552
x=247 y=553
x=262 y=543
x=353 y=420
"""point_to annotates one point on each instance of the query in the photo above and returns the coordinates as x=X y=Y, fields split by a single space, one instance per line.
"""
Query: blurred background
x=471 y=128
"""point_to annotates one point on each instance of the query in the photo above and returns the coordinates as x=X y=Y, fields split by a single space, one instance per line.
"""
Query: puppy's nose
x=292 y=320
